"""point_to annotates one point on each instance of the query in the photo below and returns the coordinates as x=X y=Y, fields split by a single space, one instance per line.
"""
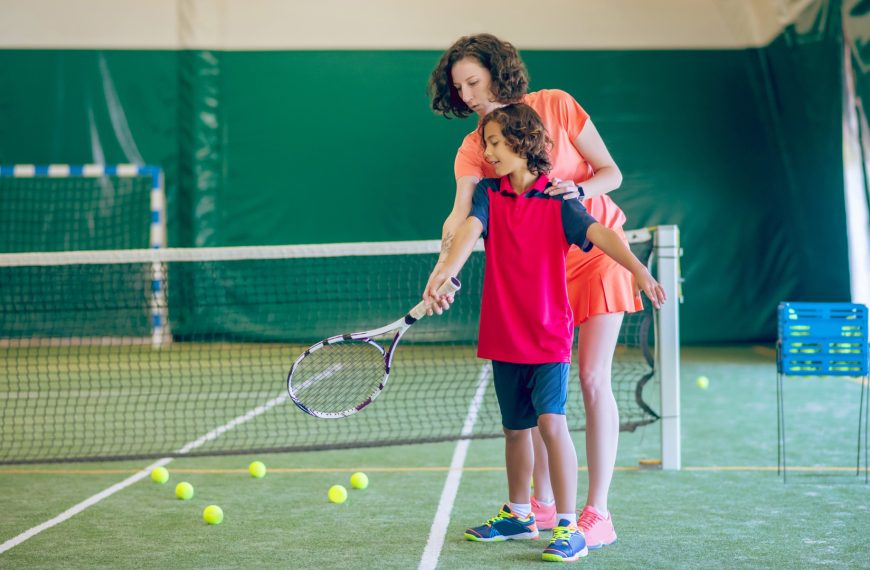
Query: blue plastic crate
x=823 y=339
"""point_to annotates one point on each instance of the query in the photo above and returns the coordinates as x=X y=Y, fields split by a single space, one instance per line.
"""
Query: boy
x=526 y=323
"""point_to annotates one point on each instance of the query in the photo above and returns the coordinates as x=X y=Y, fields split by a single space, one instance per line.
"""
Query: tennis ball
x=359 y=480
x=213 y=514
x=702 y=382
x=184 y=491
x=337 y=494
x=257 y=470
x=160 y=475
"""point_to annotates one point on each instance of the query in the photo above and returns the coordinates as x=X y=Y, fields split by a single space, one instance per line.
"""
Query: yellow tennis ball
x=257 y=470
x=184 y=491
x=213 y=514
x=702 y=382
x=337 y=494
x=160 y=475
x=359 y=480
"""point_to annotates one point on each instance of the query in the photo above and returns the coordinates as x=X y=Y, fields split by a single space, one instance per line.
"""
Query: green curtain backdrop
x=81 y=106
x=740 y=148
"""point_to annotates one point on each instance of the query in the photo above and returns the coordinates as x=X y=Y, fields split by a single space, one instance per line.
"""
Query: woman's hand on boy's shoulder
x=566 y=188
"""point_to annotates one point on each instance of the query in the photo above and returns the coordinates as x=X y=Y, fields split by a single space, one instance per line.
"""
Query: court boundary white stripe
x=91 y=501
x=72 y=511
x=437 y=533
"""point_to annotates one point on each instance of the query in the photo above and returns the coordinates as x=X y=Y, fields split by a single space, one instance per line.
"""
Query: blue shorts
x=525 y=391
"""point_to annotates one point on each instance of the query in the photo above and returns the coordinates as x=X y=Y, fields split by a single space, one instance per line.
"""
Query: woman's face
x=473 y=82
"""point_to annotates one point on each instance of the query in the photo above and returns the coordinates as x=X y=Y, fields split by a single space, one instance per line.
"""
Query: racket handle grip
x=452 y=285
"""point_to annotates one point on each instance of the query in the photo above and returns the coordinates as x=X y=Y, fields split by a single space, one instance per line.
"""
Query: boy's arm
x=610 y=243
x=454 y=257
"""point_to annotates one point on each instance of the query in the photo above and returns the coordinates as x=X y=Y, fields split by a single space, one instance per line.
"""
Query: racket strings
x=338 y=377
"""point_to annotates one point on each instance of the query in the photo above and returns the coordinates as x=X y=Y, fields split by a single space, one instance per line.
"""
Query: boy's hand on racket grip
x=435 y=302
x=650 y=287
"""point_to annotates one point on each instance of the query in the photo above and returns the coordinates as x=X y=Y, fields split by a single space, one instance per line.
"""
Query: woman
x=478 y=74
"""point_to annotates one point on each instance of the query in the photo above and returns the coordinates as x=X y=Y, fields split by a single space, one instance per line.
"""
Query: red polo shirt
x=525 y=316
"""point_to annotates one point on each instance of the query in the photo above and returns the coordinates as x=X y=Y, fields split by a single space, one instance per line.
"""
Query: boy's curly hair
x=510 y=80
x=524 y=133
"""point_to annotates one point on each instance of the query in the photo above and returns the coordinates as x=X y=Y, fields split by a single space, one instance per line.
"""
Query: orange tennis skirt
x=598 y=285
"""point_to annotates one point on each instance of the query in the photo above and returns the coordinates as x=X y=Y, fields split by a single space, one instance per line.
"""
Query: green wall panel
x=334 y=146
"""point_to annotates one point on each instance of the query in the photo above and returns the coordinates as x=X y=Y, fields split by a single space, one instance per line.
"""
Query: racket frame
x=400 y=326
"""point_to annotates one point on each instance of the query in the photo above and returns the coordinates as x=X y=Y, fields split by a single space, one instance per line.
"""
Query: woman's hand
x=437 y=303
x=566 y=188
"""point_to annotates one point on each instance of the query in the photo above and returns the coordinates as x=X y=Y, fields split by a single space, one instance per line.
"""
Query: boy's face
x=473 y=82
x=498 y=153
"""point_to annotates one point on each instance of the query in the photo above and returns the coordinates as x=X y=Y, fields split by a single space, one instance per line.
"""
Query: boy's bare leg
x=562 y=460
x=518 y=456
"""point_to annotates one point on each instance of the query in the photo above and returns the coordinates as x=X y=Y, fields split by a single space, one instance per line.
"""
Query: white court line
x=451 y=486
x=213 y=434
x=318 y=377
x=74 y=510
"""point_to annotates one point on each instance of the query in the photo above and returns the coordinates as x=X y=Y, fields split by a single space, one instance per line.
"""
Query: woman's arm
x=461 y=207
x=607 y=175
x=450 y=265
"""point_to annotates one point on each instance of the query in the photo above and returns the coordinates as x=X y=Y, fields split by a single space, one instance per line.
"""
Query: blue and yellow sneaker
x=567 y=545
x=504 y=526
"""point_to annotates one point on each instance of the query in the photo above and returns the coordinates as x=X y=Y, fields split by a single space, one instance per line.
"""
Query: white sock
x=572 y=517
x=522 y=510
x=549 y=503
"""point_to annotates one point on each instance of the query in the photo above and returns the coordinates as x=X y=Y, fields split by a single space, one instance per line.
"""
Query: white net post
x=668 y=253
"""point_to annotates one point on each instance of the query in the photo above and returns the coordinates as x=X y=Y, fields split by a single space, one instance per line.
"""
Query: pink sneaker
x=598 y=529
x=545 y=515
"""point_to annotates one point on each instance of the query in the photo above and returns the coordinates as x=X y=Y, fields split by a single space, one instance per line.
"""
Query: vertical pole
x=668 y=252
x=159 y=309
x=866 y=428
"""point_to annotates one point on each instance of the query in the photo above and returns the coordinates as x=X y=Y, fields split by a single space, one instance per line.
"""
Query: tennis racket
x=341 y=375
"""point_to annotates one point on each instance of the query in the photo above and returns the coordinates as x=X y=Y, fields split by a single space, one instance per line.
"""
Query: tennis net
x=153 y=353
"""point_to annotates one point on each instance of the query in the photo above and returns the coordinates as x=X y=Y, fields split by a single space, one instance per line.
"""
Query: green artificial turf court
x=726 y=508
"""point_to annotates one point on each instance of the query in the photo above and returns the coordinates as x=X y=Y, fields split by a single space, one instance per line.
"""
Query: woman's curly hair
x=524 y=133
x=510 y=80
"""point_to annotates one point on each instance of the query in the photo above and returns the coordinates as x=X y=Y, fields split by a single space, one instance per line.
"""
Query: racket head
x=338 y=377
